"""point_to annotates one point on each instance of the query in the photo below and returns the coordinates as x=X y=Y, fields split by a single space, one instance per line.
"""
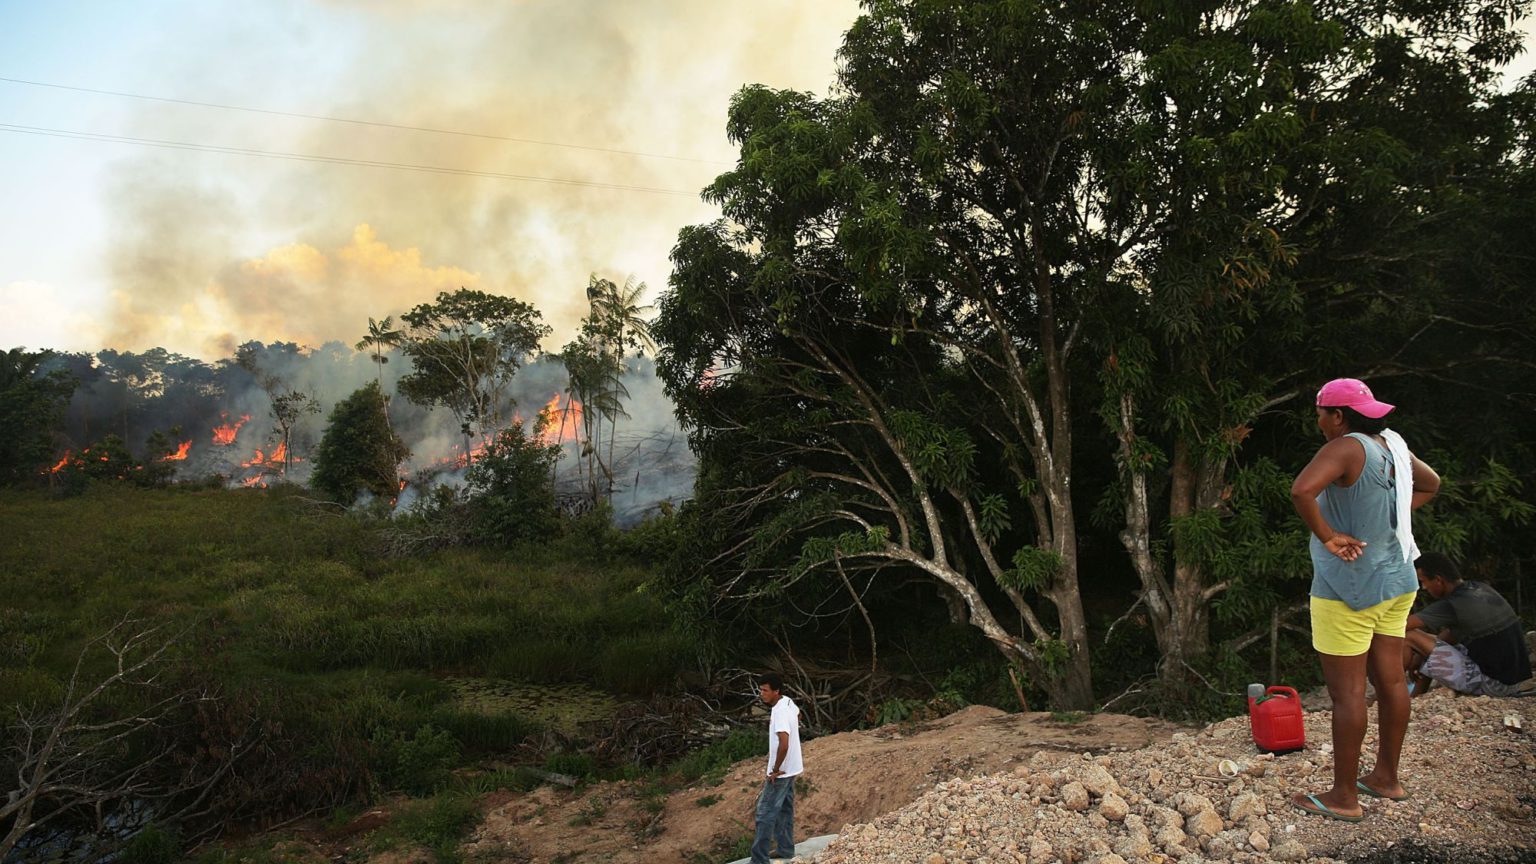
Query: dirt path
x=851 y=777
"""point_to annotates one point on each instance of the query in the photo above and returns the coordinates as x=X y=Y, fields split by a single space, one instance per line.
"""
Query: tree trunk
x=1196 y=486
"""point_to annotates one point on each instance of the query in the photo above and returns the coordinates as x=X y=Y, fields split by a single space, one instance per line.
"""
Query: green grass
x=349 y=658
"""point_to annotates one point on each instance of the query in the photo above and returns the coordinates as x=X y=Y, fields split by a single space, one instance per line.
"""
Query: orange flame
x=180 y=454
x=63 y=463
x=561 y=423
x=224 y=434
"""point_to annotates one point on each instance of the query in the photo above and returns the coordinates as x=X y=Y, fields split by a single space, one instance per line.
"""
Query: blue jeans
x=775 y=820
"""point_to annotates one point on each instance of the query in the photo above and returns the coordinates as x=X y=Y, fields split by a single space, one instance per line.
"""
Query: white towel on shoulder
x=1402 y=469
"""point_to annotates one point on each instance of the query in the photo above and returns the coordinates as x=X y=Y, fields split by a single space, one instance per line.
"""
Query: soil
x=851 y=777
x=984 y=786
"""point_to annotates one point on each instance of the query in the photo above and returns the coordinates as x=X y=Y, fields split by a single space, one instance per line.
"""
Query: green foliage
x=152 y=845
x=711 y=761
x=438 y=824
x=359 y=451
x=510 y=492
x=465 y=349
x=896 y=710
x=1033 y=568
x=31 y=406
x=335 y=654
x=417 y=764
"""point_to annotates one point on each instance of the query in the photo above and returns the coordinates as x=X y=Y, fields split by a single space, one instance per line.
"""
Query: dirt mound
x=1472 y=784
x=850 y=777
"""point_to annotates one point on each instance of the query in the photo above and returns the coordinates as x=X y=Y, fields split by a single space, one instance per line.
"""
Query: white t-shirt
x=785 y=718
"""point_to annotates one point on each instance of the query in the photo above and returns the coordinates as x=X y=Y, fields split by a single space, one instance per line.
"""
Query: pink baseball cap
x=1351 y=393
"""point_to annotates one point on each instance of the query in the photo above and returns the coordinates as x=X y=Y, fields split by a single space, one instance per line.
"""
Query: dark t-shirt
x=1483 y=621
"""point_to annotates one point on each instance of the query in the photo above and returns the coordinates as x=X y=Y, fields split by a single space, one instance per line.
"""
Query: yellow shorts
x=1344 y=632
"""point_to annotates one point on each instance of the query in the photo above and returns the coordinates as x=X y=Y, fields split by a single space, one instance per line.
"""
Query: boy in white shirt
x=776 y=803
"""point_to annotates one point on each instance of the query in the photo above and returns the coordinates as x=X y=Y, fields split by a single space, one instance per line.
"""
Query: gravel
x=1472 y=786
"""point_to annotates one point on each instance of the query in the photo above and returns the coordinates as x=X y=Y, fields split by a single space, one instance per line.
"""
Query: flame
x=262 y=459
x=63 y=463
x=460 y=459
x=254 y=482
x=224 y=434
x=180 y=454
x=561 y=423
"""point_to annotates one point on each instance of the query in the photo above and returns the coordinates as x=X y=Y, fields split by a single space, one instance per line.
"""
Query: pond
x=562 y=707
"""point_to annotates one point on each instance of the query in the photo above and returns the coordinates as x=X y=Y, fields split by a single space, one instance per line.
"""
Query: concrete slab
x=803 y=849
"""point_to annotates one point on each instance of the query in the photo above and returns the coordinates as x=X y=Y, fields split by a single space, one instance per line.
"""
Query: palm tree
x=382 y=335
x=621 y=318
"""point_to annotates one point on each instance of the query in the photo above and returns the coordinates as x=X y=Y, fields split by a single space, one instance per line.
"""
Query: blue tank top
x=1366 y=511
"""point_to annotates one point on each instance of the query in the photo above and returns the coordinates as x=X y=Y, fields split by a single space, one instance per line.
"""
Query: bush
x=510 y=490
x=359 y=452
x=419 y=764
x=153 y=845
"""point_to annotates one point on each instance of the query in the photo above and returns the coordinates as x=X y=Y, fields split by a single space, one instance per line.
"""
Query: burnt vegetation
x=988 y=388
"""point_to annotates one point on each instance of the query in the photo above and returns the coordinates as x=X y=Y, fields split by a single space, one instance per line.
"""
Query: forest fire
x=180 y=455
x=224 y=434
x=262 y=460
x=563 y=429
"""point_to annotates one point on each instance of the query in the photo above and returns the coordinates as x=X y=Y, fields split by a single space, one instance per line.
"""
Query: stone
x=1190 y=803
x=1259 y=842
x=1113 y=807
x=1111 y=858
x=1206 y=823
x=1099 y=782
x=1163 y=817
x=1218 y=848
x=1244 y=806
x=1170 y=839
x=1154 y=777
x=1135 y=847
x=1040 y=851
x=1289 y=850
x=1074 y=796
x=934 y=858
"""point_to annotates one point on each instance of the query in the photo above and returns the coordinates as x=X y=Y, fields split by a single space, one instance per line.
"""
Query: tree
x=108 y=754
x=465 y=348
x=595 y=365
x=915 y=264
x=1305 y=163
x=359 y=451
x=32 y=403
x=621 y=321
x=381 y=336
x=288 y=408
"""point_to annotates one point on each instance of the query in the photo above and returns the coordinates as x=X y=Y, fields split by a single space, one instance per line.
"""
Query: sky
x=130 y=246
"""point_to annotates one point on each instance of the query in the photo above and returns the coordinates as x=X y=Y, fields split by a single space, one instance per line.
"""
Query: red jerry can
x=1275 y=717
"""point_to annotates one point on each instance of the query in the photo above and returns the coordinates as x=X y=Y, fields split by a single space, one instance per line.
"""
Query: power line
x=334 y=160
x=375 y=123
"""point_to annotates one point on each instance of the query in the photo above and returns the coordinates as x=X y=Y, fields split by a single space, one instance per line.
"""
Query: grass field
x=372 y=671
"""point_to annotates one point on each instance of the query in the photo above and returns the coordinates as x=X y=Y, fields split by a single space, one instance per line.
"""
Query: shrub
x=511 y=491
x=419 y=764
x=153 y=845
x=359 y=452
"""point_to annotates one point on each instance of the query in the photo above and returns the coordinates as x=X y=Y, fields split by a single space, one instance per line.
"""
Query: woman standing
x=1362 y=588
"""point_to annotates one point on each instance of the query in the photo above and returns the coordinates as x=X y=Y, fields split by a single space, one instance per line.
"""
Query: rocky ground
x=852 y=777
x=1472 y=785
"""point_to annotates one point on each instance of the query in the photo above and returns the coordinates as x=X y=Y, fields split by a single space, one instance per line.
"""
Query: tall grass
x=293 y=611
